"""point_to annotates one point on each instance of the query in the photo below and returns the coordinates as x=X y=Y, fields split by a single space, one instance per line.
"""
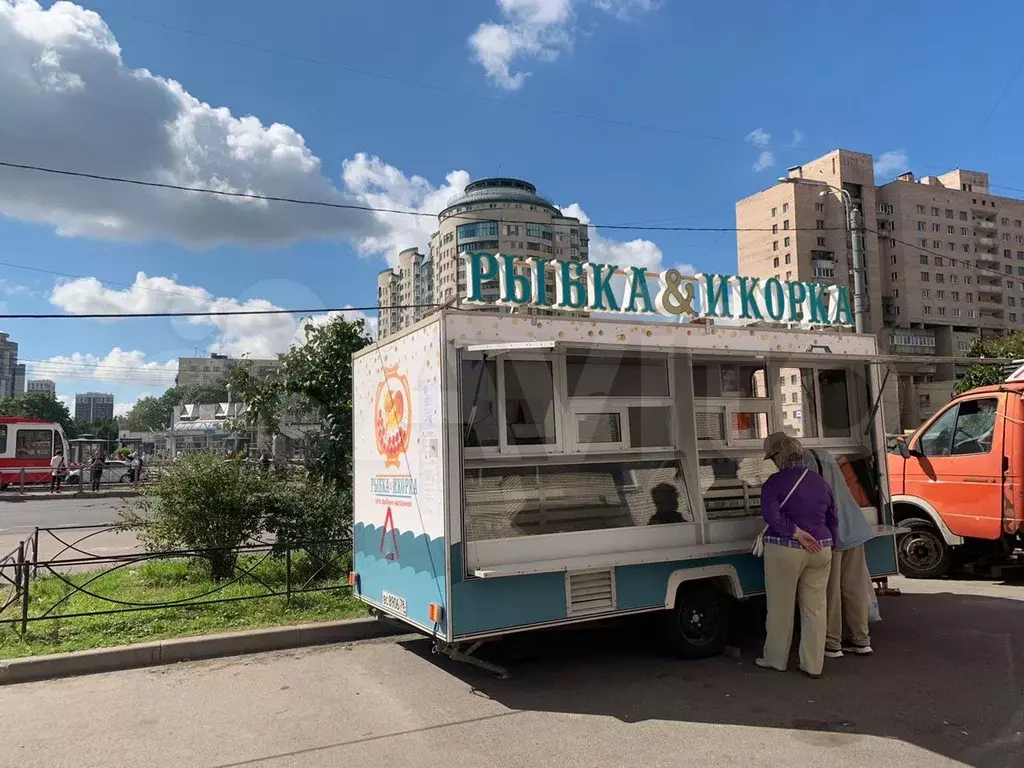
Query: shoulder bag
x=757 y=548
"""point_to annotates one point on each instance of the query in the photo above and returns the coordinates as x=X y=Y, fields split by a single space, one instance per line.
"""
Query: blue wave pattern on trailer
x=417 y=574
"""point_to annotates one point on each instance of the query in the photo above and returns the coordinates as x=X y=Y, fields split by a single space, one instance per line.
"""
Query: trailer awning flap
x=511 y=346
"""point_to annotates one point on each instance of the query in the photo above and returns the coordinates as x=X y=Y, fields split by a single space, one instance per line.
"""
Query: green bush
x=123 y=452
x=202 y=504
x=313 y=517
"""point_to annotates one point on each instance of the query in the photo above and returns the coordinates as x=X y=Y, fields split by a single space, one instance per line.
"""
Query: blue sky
x=737 y=92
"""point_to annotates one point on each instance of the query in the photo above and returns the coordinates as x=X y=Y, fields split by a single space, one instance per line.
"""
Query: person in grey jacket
x=849 y=584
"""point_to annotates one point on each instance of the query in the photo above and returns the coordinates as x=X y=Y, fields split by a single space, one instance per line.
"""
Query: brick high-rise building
x=944 y=260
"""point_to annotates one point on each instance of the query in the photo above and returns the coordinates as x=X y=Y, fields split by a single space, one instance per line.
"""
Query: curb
x=43 y=496
x=33 y=668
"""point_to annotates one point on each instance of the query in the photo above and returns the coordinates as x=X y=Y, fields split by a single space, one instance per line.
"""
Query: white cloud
x=539 y=30
x=758 y=137
x=764 y=160
x=260 y=336
x=626 y=9
x=635 y=253
x=798 y=138
x=7 y=288
x=375 y=183
x=892 y=163
x=70 y=102
x=116 y=367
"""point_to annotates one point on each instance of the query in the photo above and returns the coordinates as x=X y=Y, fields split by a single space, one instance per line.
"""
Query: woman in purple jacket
x=797 y=555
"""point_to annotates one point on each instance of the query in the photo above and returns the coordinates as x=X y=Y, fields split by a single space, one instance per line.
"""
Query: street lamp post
x=854 y=226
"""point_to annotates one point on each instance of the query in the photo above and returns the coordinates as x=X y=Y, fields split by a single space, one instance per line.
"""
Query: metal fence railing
x=22 y=480
x=22 y=568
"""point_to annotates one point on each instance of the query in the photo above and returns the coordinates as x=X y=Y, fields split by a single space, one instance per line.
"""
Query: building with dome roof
x=495 y=215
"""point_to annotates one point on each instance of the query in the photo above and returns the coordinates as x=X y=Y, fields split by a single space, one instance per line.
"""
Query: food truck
x=516 y=471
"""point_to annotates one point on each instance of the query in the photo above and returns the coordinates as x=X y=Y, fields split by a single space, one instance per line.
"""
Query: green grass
x=163 y=581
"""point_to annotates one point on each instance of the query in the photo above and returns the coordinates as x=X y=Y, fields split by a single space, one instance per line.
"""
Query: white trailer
x=514 y=472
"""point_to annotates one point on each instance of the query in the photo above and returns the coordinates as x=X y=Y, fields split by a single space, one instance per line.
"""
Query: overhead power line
x=222 y=313
x=484 y=215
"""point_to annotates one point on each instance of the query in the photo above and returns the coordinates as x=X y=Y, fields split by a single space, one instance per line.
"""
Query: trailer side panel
x=398 y=539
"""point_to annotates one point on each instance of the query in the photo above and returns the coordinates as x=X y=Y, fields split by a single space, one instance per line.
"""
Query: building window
x=819 y=223
x=775 y=229
x=968 y=280
x=775 y=245
x=926 y=293
x=920 y=209
x=963 y=231
x=956 y=311
x=785 y=223
x=477 y=229
x=936 y=228
x=954 y=279
x=775 y=262
x=939 y=277
x=789 y=275
x=936 y=244
x=940 y=294
x=1008 y=269
x=775 y=211
x=935 y=211
x=942 y=311
x=969 y=296
x=938 y=261
x=1004 y=221
x=924 y=258
x=949 y=213
x=924 y=242
x=785 y=242
x=789 y=259
x=1013 y=317
x=927 y=310
x=951 y=246
x=821 y=241
x=926 y=277
x=894 y=276
x=954 y=295
x=892 y=259
x=819 y=207
x=966 y=248
x=922 y=226
x=895 y=293
x=1011 y=301
x=950 y=229
x=785 y=207
x=963 y=215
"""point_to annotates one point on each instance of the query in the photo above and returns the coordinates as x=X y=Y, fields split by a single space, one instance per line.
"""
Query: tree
x=103 y=429
x=149 y=413
x=39 y=405
x=1008 y=347
x=155 y=413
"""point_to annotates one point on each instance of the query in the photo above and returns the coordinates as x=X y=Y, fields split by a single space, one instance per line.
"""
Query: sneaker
x=765 y=665
x=811 y=675
x=833 y=653
x=858 y=650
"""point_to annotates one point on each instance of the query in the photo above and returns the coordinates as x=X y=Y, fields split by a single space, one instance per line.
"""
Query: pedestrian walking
x=800 y=516
x=96 y=468
x=57 y=468
x=849 y=582
x=135 y=468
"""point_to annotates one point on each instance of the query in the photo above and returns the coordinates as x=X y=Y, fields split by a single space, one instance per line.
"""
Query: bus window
x=3 y=439
x=34 y=444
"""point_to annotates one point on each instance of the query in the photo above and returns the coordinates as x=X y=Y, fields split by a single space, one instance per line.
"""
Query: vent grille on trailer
x=589 y=592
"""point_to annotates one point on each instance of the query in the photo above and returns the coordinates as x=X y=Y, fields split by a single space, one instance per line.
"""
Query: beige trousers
x=794 y=576
x=848 y=598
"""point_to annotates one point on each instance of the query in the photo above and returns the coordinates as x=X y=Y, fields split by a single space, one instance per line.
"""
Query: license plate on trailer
x=393 y=603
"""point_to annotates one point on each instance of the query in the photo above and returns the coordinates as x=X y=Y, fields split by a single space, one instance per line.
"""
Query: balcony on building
x=984 y=225
x=984 y=241
x=986 y=261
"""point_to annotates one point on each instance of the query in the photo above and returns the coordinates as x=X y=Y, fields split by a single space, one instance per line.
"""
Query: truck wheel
x=699 y=624
x=923 y=553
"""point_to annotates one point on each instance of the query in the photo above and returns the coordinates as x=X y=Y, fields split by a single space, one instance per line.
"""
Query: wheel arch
x=915 y=506
x=723 y=576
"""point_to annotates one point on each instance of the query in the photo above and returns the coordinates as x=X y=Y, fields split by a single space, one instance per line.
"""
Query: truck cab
x=957 y=482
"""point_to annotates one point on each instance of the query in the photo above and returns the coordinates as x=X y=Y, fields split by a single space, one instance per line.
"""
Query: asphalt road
x=945 y=687
x=19 y=518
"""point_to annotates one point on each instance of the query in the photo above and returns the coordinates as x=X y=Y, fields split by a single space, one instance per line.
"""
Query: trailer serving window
x=823 y=403
x=516 y=501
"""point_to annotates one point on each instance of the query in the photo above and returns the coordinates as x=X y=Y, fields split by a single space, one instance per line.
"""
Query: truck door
x=957 y=466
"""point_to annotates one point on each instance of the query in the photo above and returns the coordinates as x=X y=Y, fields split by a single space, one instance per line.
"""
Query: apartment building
x=944 y=262
x=501 y=215
x=405 y=293
x=12 y=374
x=94 y=406
x=42 y=385
x=195 y=371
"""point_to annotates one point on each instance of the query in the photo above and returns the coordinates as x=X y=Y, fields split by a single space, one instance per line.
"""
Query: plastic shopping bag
x=873 y=613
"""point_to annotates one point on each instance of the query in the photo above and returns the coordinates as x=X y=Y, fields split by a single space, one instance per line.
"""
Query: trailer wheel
x=699 y=624
x=923 y=553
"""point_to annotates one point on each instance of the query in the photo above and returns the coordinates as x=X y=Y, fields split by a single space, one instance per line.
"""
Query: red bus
x=28 y=443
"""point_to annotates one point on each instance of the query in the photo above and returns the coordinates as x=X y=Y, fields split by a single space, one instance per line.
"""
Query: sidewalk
x=44 y=494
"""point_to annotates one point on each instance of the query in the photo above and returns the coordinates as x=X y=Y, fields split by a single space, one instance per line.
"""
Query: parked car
x=114 y=471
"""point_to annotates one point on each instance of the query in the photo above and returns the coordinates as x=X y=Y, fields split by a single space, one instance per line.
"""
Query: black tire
x=700 y=624
x=923 y=553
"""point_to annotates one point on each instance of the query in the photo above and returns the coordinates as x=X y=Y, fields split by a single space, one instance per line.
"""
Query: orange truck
x=957 y=484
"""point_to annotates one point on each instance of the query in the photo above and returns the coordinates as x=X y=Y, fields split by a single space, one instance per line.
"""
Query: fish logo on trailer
x=392 y=416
